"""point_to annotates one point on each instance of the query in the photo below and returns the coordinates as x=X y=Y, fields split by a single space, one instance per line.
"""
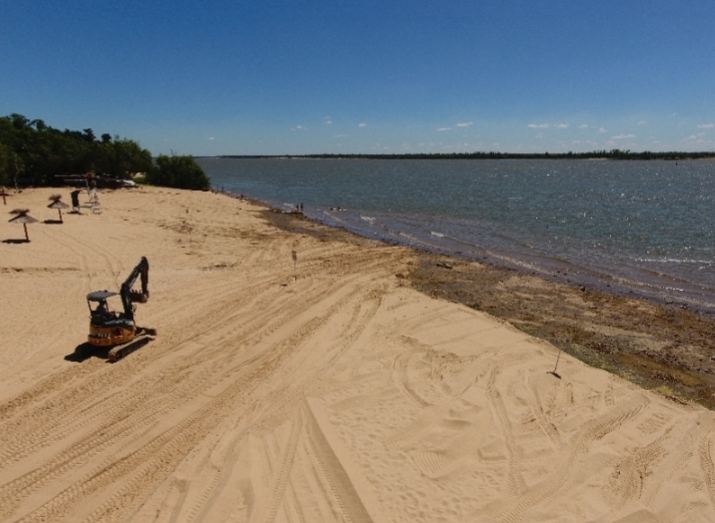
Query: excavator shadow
x=13 y=240
x=86 y=350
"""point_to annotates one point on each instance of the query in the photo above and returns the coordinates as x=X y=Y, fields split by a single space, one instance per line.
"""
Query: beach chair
x=94 y=202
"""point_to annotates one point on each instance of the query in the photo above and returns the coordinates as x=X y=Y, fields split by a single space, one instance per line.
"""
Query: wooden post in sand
x=294 y=255
x=4 y=200
x=557 y=364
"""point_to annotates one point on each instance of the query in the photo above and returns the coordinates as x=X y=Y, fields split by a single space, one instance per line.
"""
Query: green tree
x=4 y=162
x=19 y=121
x=181 y=172
x=88 y=135
x=34 y=152
x=122 y=157
x=11 y=166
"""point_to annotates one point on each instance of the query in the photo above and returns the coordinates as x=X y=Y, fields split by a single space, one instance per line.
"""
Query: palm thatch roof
x=57 y=202
x=21 y=216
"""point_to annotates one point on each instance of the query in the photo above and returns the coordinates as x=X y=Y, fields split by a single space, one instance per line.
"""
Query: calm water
x=644 y=227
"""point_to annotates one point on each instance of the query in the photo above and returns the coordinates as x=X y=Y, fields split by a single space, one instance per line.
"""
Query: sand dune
x=322 y=391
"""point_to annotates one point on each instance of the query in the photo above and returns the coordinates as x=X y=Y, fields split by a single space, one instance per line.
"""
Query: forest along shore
x=657 y=346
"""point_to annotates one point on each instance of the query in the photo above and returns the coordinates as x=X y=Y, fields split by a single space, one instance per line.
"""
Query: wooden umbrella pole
x=26 y=236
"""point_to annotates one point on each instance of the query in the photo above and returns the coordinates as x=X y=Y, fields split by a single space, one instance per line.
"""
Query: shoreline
x=665 y=346
x=557 y=270
x=620 y=242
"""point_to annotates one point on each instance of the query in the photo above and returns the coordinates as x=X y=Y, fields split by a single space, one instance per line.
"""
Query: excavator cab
x=98 y=304
x=108 y=328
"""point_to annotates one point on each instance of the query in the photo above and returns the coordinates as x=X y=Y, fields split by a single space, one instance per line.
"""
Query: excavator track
x=143 y=337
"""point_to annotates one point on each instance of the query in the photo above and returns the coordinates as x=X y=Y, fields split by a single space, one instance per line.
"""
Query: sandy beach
x=322 y=389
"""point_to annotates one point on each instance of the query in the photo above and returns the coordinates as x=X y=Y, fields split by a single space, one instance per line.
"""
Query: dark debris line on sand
x=661 y=347
x=655 y=346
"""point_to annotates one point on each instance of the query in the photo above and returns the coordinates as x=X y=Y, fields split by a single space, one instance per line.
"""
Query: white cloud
x=328 y=121
x=603 y=130
x=465 y=124
x=706 y=126
x=210 y=138
x=442 y=129
x=583 y=126
x=299 y=128
x=622 y=136
x=547 y=126
x=362 y=125
x=642 y=122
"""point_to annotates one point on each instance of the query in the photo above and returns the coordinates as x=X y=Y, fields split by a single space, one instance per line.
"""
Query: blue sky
x=301 y=77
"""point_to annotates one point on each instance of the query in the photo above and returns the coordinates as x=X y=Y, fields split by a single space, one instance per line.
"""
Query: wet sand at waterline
x=325 y=389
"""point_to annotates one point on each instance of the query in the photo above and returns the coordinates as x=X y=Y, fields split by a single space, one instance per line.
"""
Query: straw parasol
x=23 y=218
x=58 y=204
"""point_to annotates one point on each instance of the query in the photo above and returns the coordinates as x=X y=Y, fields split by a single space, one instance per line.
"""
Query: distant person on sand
x=75 y=200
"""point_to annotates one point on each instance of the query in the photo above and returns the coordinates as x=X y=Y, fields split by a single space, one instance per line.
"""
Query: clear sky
x=364 y=76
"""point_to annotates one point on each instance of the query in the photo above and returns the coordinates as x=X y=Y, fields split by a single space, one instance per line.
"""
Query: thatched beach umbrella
x=23 y=218
x=58 y=204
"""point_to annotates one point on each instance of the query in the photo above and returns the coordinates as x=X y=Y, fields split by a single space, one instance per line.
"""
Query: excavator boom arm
x=129 y=296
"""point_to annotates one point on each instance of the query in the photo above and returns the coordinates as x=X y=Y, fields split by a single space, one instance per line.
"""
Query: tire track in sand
x=360 y=317
x=16 y=489
x=592 y=430
x=155 y=459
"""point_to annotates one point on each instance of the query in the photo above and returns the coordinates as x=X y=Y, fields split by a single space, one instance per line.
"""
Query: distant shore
x=614 y=154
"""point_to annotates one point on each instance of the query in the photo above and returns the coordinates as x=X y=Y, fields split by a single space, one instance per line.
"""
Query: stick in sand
x=294 y=255
x=557 y=364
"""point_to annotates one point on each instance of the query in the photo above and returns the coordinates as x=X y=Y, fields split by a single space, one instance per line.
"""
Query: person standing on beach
x=75 y=200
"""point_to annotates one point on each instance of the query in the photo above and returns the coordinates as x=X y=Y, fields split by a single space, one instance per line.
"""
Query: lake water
x=643 y=227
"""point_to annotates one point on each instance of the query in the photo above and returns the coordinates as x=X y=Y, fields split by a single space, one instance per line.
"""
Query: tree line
x=33 y=154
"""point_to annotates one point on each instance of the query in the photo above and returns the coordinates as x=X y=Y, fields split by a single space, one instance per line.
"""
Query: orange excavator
x=118 y=330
